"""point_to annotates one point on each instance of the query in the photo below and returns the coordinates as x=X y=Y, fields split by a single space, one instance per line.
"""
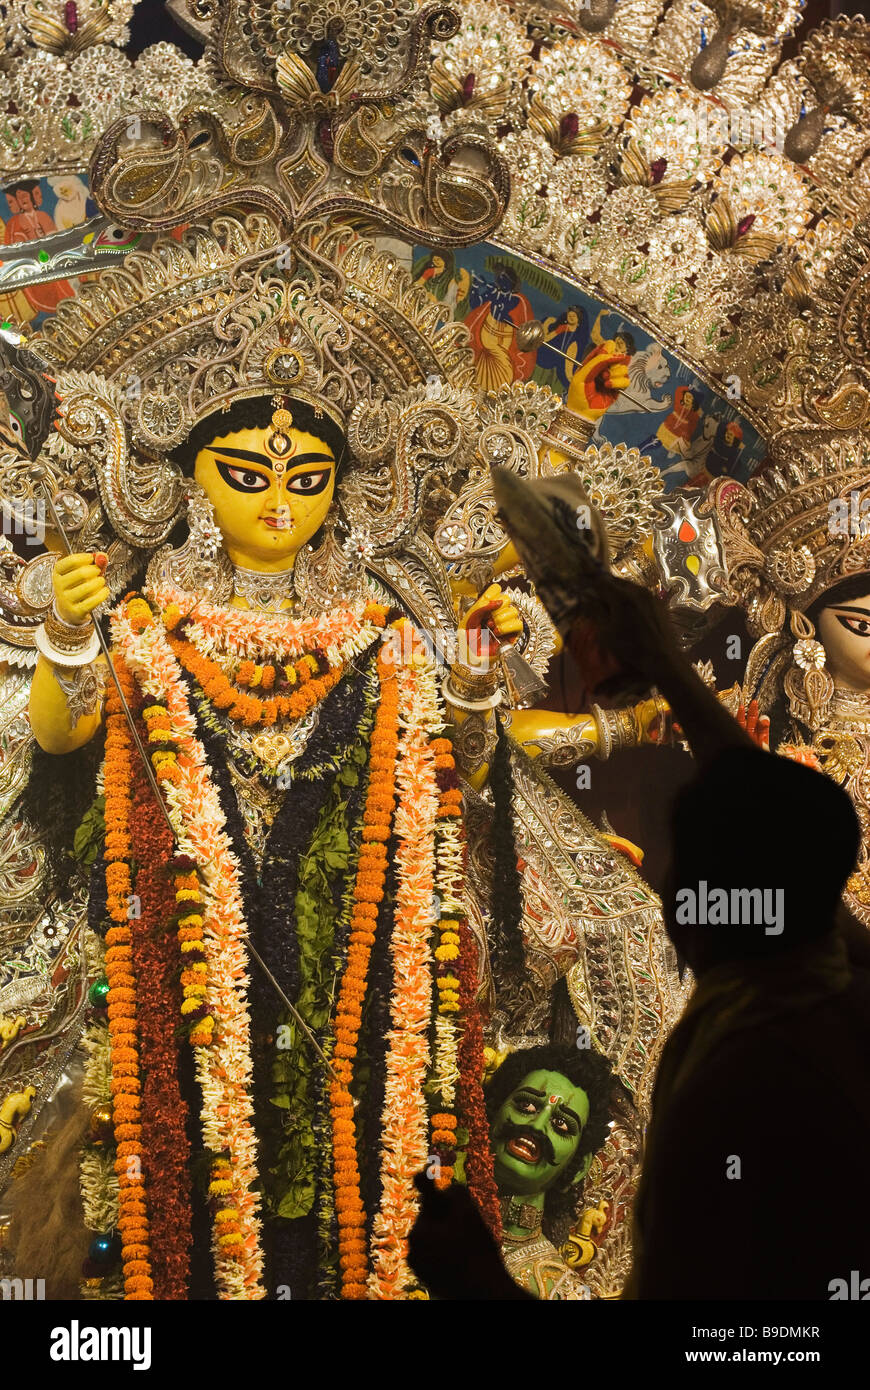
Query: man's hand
x=632 y=626
x=79 y=586
x=655 y=721
x=452 y=1250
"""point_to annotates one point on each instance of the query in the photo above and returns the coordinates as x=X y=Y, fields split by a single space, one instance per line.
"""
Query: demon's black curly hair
x=255 y=413
x=584 y=1068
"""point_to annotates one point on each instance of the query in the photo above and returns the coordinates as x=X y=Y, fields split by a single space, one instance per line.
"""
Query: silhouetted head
x=762 y=848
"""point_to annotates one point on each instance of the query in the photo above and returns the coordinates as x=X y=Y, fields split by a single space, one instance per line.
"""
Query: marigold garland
x=188 y=896
x=126 y=1083
x=404 y=1143
x=367 y=893
x=249 y=709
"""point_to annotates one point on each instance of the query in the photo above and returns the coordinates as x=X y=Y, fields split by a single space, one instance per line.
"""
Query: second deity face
x=536 y=1132
x=844 y=632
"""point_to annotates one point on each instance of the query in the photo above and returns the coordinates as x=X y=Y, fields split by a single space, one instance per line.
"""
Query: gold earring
x=200 y=565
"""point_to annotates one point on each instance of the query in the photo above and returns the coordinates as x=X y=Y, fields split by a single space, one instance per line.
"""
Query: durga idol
x=261 y=721
x=301 y=940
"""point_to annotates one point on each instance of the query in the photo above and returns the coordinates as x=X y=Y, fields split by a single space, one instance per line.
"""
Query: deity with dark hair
x=549 y=1111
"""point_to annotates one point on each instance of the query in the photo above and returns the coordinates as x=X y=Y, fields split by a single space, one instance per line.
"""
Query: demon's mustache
x=531 y=1145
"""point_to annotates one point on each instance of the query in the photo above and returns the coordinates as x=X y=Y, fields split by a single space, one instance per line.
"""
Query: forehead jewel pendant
x=279 y=444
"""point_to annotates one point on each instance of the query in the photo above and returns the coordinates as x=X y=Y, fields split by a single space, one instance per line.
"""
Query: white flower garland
x=215 y=630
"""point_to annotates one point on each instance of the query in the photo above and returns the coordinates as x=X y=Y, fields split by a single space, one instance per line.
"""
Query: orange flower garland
x=126 y=1083
x=223 y=1070
x=249 y=709
x=368 y=892
x=404 y=1143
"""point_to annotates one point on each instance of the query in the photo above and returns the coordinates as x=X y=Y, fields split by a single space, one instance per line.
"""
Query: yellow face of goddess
x=266 y=508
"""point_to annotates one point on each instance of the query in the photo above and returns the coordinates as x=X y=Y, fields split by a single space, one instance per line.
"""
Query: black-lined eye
x=243 y=479
x=860 y=626
x=115 y=236
x=309 y=483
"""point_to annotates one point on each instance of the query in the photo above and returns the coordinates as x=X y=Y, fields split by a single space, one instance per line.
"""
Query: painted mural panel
x=34 y=208
x=593 y=357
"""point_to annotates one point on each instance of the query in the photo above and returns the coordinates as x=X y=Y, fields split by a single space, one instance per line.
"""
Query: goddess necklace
x=850 y=708
x=265 y=591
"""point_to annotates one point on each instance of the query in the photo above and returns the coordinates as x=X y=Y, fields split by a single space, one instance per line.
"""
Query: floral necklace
x=298 y=685
x=215 y=629
x=258 y=669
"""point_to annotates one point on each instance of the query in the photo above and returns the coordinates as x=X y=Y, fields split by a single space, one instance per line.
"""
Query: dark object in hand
x=563 y=545
x=452 y=1250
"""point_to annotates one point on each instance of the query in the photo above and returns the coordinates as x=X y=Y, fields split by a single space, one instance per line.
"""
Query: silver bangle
x=605 y=743
x=67 y=660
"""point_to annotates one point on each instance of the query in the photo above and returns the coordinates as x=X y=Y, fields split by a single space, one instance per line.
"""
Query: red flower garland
x=479 y=1162
x=156 y=961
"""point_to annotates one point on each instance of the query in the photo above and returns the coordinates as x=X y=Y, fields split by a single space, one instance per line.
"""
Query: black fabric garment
x=769 y=1065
